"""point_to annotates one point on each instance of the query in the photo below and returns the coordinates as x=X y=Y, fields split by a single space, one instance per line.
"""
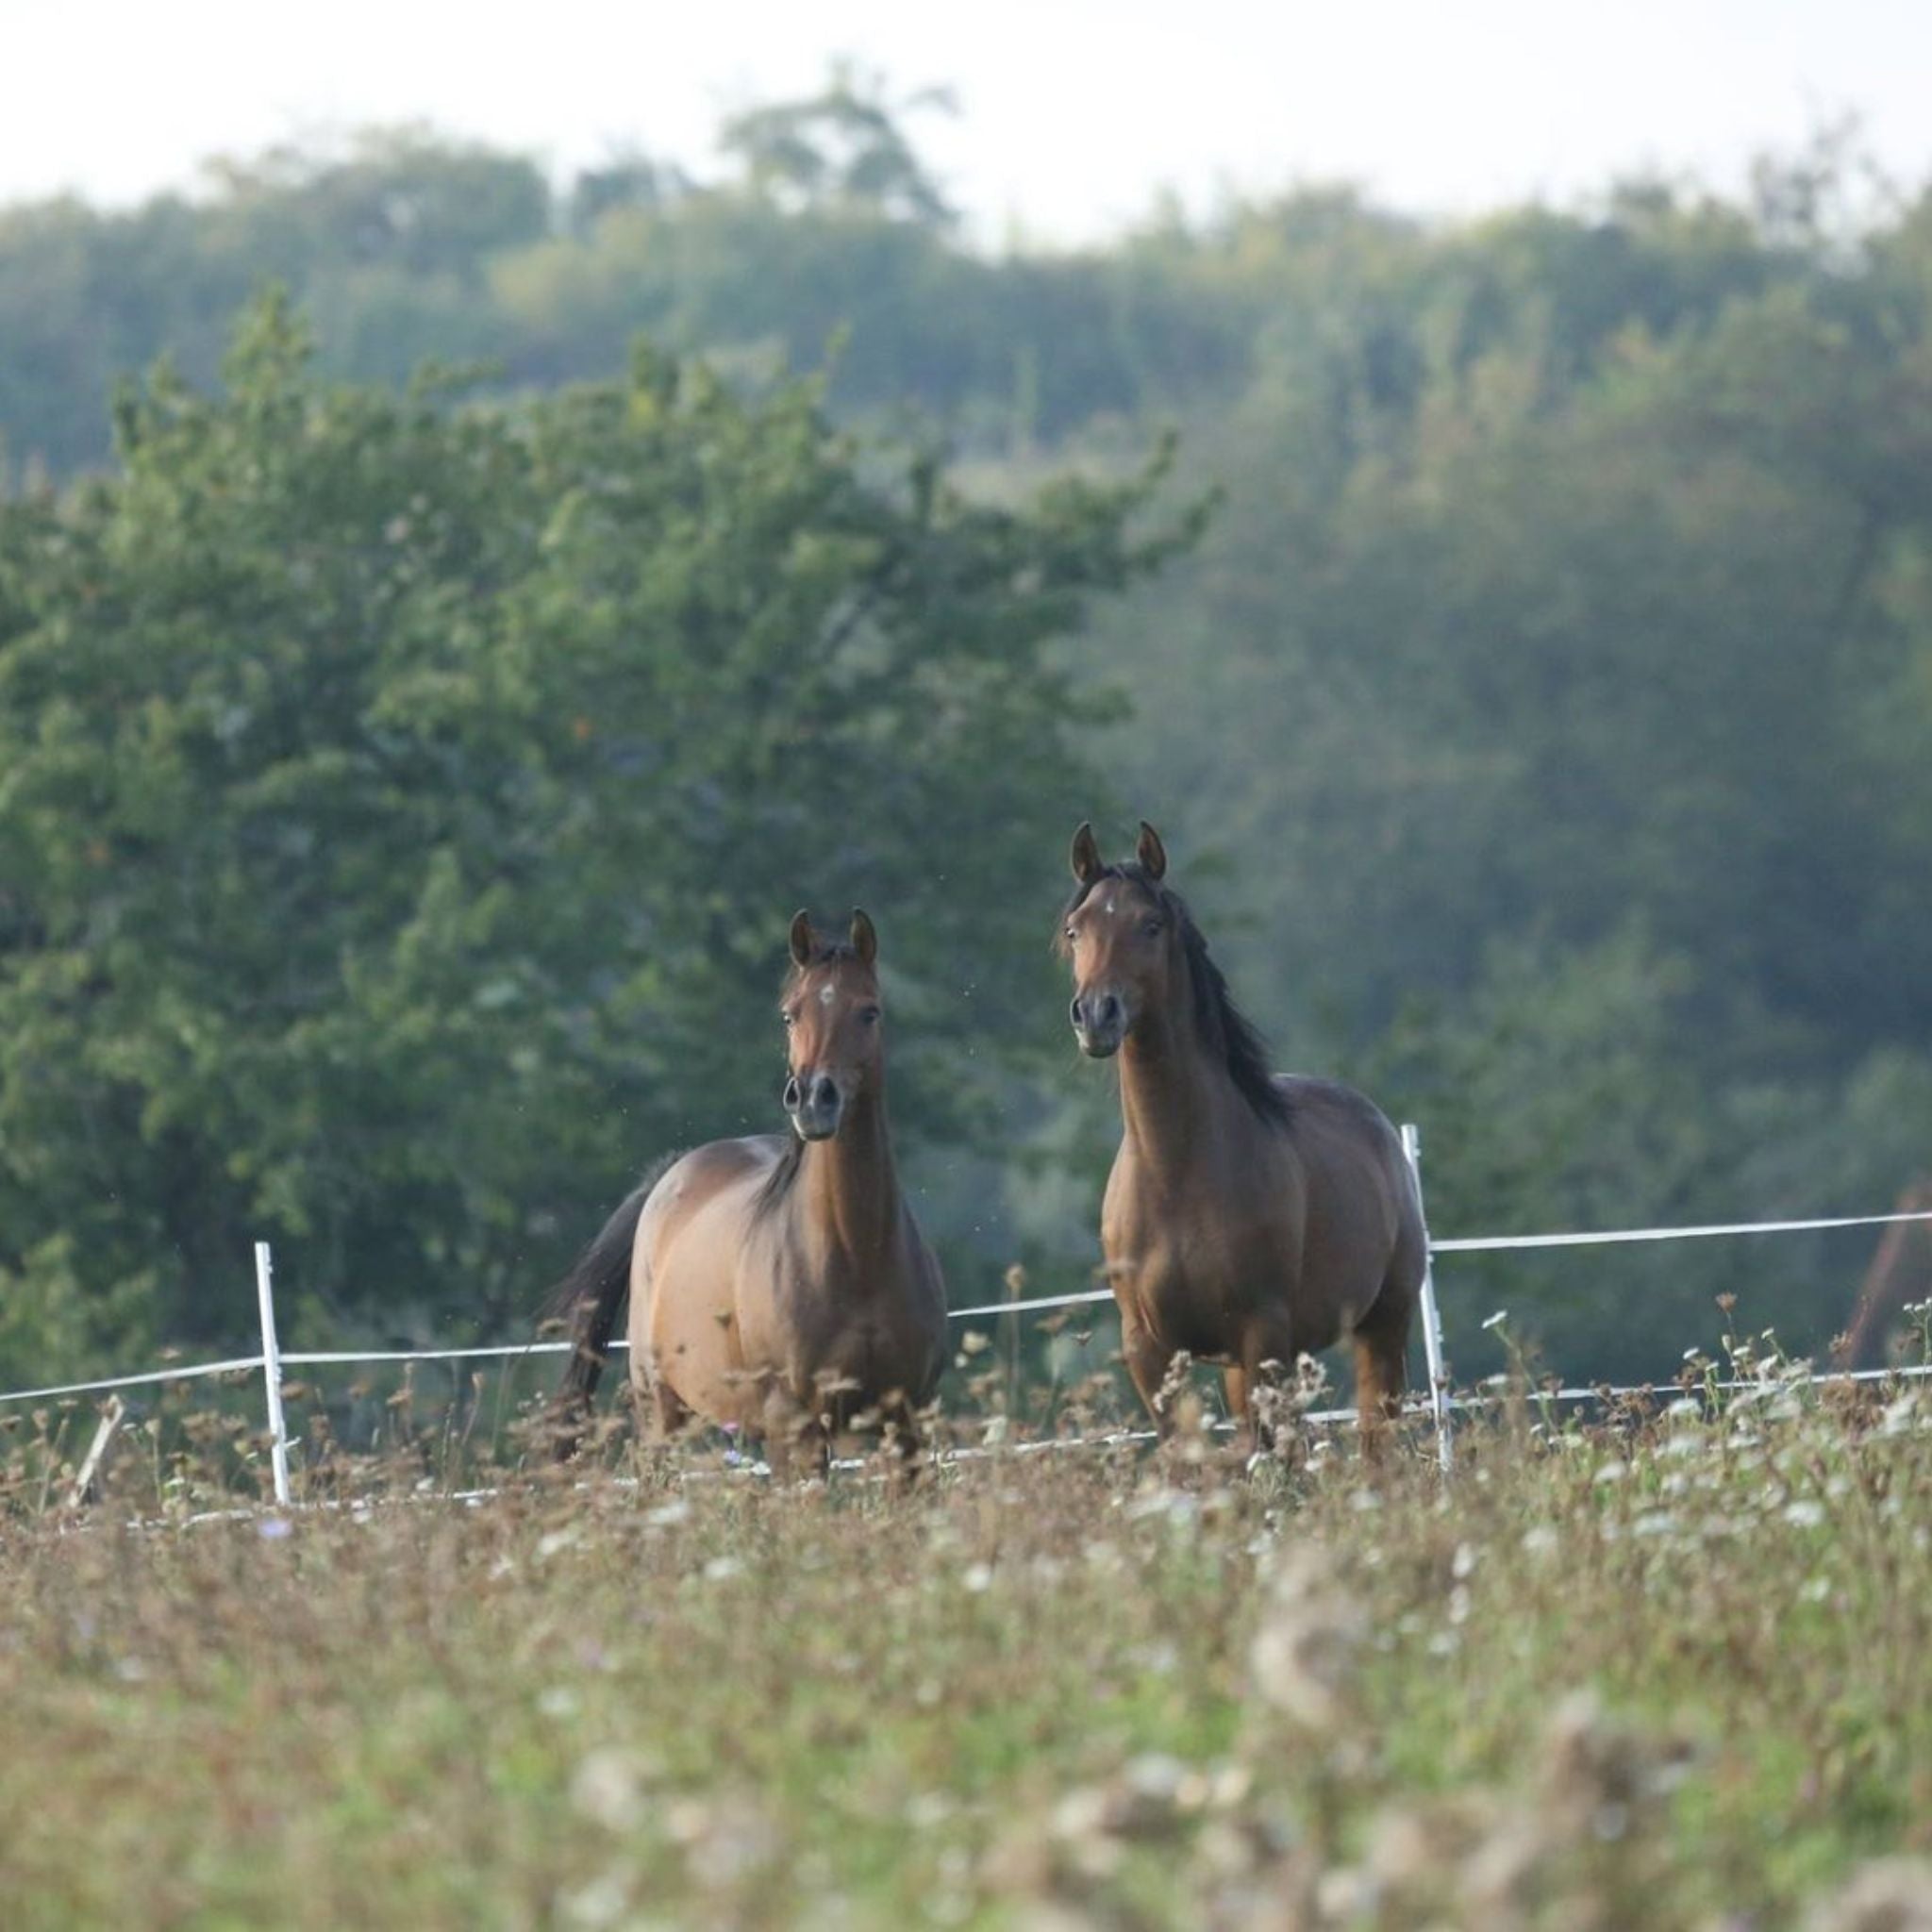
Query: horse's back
x=1335 y=1100
x=708 y=1177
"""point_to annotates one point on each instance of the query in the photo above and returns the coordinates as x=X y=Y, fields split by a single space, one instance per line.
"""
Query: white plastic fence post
x=272 y=1370
x=1432 y=1319
x=112 y=1413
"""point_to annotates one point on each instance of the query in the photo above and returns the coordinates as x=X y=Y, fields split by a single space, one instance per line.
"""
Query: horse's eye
x=1071 y=935
x=1151 y=928
x=791 y=1020
x=870 y=1015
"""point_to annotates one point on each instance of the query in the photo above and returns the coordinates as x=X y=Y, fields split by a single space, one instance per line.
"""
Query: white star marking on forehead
x=1110 y=908
x=827 y=993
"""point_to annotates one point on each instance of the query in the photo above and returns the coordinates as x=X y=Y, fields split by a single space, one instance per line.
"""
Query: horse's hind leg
x=1381 y=1367
x=673 y=1417
x=797 y=1435
x=1234 y=1381
x=660 y=1418
x=900 y=1438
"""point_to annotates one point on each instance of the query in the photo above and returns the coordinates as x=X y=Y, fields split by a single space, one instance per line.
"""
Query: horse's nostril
x=1109 y=1011
x=825 y=1094
x=795 y=1097
x=1073 y=1012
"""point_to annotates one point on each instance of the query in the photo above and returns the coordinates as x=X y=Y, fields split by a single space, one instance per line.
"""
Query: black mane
x=778 y=1184
x=1223 y=1027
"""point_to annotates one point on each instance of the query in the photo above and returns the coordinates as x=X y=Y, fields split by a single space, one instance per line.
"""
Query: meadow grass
x=1668 y=1671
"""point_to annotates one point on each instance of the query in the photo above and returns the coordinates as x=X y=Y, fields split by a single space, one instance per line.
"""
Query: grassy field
x=1670 y=1674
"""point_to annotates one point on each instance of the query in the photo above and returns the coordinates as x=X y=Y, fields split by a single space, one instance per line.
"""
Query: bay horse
x=777 y=1283
x=1250 y=1218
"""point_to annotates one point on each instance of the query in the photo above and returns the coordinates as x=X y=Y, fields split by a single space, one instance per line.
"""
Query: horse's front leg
x=900 y=1439
x=1234 y=1380
x=1148 y=1359
x=796 y=1440
x=1267 y=1359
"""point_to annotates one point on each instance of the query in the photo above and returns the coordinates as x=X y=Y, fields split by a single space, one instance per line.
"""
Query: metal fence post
x=272 y=1370
x=1432 y=1319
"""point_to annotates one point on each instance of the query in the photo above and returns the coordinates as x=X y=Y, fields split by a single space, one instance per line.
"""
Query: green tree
x=401 y=809
x=842 y=148
x=1574 y=587
x=1563 y=658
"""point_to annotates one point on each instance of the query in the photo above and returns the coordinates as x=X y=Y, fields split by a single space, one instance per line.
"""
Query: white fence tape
x=306 y=1357
x=187 y=1372
x=1045 y=1301
x=1478 y=1245
x=1490 y=1244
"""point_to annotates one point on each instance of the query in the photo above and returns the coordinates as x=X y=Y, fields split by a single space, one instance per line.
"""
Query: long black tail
x=589 y=1300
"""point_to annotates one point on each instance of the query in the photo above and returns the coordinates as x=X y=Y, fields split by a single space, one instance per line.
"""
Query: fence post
x=1432 y=1319
x=272 y=1370
x=113 y=1414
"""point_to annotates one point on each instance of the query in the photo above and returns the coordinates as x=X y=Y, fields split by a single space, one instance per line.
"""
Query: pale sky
x=1075 y=113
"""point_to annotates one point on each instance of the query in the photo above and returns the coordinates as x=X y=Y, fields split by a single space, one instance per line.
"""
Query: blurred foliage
x=404 y=804
x=1542 y=730
x=1561 y=711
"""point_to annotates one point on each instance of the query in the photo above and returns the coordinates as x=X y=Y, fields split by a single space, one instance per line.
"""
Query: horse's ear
x=801 y=938
x=1151 y=852
x=865 y=942
x=1085 y=857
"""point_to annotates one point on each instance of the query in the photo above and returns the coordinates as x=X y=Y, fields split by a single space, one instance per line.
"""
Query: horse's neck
x=1178 y=1098
x=847 y=1192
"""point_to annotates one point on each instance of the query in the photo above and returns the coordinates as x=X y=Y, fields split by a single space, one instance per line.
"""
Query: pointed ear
x=801 y=938
x=1084 y=858
x=865 y=942
x=1151 y=852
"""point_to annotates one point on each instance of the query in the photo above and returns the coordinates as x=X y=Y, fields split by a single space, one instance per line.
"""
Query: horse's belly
x=693 y=1333
x=1202 y=1292
x=693 y=1348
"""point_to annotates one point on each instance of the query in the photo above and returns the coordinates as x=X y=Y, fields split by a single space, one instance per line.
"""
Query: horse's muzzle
x=1100 y=1024
x=815 y=1105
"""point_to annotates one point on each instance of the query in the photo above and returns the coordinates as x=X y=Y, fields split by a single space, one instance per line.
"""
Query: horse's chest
x=871 y=1340
x=871 y=1356
x=1186 y=1275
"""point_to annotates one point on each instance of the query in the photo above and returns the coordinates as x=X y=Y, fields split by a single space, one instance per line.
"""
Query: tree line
x=415 y=732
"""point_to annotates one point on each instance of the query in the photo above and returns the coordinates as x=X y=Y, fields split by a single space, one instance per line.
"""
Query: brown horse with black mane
x=778 y=1283
x=1250 y=1218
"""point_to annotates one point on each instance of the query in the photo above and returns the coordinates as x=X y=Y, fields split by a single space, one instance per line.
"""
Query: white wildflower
x=1303 y=1653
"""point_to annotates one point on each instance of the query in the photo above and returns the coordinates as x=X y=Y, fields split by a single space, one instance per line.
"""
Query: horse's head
x=831 y=1013
x=1119 y=936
